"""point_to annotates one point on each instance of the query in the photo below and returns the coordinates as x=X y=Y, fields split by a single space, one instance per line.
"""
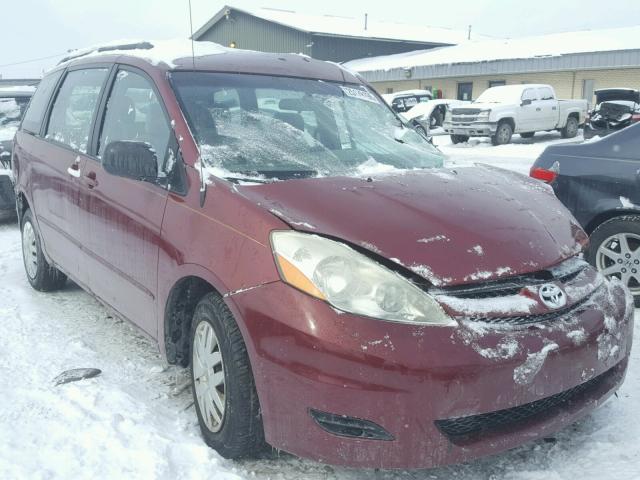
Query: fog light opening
x=350 y=427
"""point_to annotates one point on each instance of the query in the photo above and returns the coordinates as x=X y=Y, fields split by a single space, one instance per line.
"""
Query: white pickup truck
x=525 y=109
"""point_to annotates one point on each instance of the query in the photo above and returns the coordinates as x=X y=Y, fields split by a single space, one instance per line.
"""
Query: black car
x=615 y=109
x=13 y=103
x=599 y=182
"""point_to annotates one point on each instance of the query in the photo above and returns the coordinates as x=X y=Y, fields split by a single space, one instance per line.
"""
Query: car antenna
x=193 y=52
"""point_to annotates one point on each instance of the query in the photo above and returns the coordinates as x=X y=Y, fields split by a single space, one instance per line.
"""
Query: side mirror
x=525 y=102
x=136 y=160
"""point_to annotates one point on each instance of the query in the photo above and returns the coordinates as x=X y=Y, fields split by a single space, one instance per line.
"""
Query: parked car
x=405 y=100
x=13 y=102
x=427 y=115
x=598 y=182
x=394 y=319
x=615 y=109
x=525 y=109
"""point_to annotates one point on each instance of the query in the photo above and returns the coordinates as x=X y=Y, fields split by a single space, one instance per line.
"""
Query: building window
x=389 y=89
x=497 y=83
x=465 y=91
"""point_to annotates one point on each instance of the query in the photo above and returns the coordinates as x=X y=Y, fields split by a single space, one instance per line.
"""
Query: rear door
x=58 y=161
x=122 y=218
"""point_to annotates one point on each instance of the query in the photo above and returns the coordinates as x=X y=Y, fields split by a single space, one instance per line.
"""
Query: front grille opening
x=462 y=430
x=350 y=427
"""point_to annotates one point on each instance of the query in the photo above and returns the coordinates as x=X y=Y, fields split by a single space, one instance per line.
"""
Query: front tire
x=41 y=275
x=503 y=135
x=614 y=251
x=570 y=130
x=223 y=387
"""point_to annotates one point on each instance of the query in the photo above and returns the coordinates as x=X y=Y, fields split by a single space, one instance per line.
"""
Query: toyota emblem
x=552 y=296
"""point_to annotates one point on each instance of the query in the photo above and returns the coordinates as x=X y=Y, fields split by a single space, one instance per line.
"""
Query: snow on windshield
x=252 y=127
x=505 y=94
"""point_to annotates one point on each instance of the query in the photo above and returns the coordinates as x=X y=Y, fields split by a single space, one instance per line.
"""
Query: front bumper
x=590 y=131
x=476 y=129
x=408 y=379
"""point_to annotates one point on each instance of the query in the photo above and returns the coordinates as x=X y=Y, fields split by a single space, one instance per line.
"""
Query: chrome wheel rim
x=29 y=250
x=503 y=134
x=572 y=128
x=208 y=376
x=619 y=256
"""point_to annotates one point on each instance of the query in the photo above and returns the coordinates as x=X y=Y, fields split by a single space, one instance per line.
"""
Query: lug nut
x=619 y=260
x=624 y=270
x=627 y=255
x=633 y=270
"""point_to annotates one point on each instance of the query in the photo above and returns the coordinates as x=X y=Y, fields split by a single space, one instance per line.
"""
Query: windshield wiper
x=237 y=180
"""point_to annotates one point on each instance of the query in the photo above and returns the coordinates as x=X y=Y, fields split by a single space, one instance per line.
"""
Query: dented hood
x=449 y=226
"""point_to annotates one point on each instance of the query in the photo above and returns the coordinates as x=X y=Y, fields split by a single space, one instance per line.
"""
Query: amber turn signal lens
x=294 y=277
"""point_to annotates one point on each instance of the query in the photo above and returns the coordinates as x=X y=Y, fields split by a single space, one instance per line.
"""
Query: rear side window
x=74 y=107
x=33 y=118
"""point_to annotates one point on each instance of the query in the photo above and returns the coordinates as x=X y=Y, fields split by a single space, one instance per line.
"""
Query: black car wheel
x=455 y=139
x=223 y=387
x=41 y=275
x=615 y=251
x=503 y=134
x=570 y=130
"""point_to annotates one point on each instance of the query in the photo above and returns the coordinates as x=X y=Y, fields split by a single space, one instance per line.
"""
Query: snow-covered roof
x=154 y=51
x=552 y=45
x=346 y=26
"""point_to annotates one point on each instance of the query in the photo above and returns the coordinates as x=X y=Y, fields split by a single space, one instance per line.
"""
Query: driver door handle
x=91 y=180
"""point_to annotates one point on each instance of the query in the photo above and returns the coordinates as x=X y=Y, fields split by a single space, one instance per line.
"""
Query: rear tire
x=605 y=247
x=503 y=135
x=570 y=130
x=41 y=275
x=235 y=430
x=455 y=139
x=527 y=134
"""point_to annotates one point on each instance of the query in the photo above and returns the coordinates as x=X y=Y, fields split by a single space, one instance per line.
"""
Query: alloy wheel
x=29 y=249
x=619 y=256
x=208 y=376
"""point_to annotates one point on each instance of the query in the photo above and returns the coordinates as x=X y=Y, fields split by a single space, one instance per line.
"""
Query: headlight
x=350 y=281
x=483 y=116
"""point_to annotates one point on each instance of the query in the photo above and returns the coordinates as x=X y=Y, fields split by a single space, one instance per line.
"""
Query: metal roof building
x=573 y=62
x=323 y=37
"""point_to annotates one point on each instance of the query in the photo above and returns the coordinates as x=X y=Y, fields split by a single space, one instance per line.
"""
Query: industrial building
x=325 y=37
x=574 y=63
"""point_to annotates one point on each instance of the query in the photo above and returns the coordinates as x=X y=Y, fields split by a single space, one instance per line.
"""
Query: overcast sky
x=33 y=29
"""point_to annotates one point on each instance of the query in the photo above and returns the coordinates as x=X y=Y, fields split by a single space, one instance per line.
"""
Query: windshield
x=279 y=127
x=11 y=110
x=504 y=94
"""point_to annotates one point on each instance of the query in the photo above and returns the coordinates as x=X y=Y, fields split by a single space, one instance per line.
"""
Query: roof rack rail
x=109 y=48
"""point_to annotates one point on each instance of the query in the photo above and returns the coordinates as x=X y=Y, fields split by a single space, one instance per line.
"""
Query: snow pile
x=553 y=45
x=526 y=372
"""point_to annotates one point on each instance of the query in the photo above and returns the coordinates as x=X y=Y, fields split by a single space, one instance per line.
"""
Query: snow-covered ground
x=519 y=155
x=136 y=420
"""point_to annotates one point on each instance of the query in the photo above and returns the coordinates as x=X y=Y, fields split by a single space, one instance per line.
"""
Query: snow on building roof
x=553 y=45
x=347 y=26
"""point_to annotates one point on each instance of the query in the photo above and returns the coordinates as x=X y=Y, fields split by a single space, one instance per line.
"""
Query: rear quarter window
x=35 y=112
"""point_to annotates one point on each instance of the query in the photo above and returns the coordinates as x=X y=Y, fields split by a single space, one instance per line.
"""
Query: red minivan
x=336 y=292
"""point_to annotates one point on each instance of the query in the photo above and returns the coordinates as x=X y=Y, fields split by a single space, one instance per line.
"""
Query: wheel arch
x=607 y=215
x=510 y=121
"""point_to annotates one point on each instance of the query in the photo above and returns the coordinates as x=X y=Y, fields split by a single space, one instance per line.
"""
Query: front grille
x=465 y=111
x=464 y=118
x=463 y=429
x=555 y=316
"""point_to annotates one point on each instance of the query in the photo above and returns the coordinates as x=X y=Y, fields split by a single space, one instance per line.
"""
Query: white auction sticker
x=362 y=94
